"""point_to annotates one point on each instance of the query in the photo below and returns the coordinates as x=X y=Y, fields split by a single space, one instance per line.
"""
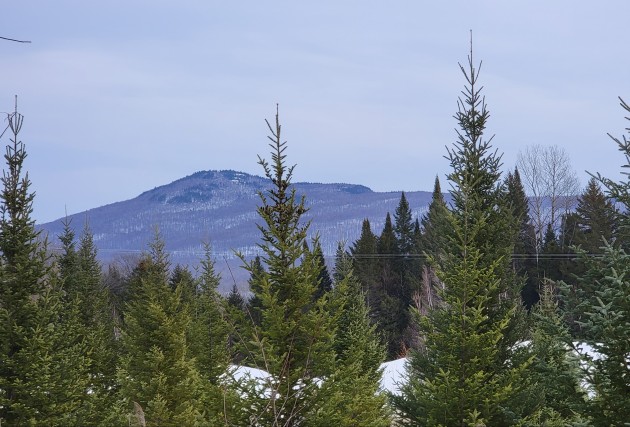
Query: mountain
x=219 y=207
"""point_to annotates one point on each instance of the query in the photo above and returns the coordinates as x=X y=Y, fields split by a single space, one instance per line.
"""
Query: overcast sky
x=122 y=96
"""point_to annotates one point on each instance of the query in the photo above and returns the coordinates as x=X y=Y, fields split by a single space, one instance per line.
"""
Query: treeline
x=492 y=309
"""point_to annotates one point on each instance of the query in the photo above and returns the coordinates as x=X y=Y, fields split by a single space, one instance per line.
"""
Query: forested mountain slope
x=220 y=207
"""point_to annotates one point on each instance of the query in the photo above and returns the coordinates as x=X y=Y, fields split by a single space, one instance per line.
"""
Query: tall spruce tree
x=43 y=371
x=294 y=342
x=468 y=372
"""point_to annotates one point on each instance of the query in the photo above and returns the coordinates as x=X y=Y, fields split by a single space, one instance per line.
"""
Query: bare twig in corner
x=14 y=40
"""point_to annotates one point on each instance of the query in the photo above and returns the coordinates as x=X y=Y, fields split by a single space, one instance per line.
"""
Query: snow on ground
x=394 y=373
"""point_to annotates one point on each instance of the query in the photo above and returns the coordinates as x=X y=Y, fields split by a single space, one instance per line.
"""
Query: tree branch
x=14 y=40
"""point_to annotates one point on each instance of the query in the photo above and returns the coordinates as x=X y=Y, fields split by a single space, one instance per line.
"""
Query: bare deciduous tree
x=551 y=184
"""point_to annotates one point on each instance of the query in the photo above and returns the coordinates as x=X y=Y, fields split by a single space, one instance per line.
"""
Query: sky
x=120 y=97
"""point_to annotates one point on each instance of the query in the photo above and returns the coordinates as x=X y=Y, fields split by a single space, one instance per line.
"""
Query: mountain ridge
x=219 y=207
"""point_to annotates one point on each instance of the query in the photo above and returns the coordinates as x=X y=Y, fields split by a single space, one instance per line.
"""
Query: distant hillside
x=220 y=207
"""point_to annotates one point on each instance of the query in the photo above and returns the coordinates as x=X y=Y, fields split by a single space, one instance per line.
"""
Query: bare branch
x=14 y=40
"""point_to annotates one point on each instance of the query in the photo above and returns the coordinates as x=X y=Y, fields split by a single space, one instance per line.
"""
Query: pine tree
x=469 y=371
x=43 y=373
x=294 y=342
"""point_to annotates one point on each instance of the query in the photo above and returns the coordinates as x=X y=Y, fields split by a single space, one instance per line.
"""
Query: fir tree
x=555 y=371
x=597 y=219
x=235 y=299
x=158 y=374
x=407 y=266
x=606 y=311
x=469 y=371
x=356 y=338
x=359 y=354
x=390 y=308
x=325 y=282
x=525 y=252
x=80 y=273
x=549 y=266
x=254 y=303
x=43 y=371
x=209 y=329
x=435 y=225
x=294 y=342
x=365 y=263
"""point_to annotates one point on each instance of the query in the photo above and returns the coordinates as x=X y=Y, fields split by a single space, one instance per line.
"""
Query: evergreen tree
x=80 y=274
x=391 y=310
x=551 y=254
x=597 y=219
x=525 y=253
x=325 y=282
x=470 y=370
x=365 y=263
x=404 y=226
x=434 y=244
x=356 y=339
x=254 y=303
x=43 y=371
x=182 y=276
x=235 y=299
x=605 y=316
x=352 y=391
x=555 y=371
x=158 y=374
x=209 y=330
x=435 y=225
x=407 y=265
x=294 y=342
x=606 y=312
x=592 y=225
